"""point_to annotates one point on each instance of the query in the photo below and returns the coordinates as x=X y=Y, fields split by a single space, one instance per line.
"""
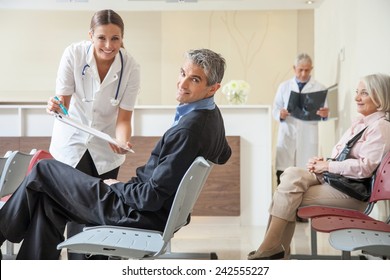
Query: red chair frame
x=380 y=191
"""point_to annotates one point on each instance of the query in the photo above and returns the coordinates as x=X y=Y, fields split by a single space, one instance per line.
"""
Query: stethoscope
x=114 y=101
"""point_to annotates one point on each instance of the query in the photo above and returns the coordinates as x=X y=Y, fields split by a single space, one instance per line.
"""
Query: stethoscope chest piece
x=114 y=102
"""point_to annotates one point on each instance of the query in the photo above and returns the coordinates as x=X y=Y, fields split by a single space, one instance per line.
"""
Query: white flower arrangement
x=236 y=91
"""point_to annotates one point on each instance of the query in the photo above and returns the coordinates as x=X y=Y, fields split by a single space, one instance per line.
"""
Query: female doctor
x=97 y=83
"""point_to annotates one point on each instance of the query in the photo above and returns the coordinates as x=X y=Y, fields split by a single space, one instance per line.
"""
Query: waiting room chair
x=135 y=243
x=348 y=234
x=38 y=155
x=13 y=173
x=16 y=166
x=372 y=242
x=311 y=212
x=363 y=231
x=3 y=161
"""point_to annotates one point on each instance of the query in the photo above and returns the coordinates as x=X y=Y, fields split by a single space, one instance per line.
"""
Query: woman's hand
x=123 y=132
x=317 y=165
x=119 y=150
x=53 y=105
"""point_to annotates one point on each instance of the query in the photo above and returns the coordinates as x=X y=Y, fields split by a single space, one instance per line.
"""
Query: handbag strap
x=354 y=139
x=345 y=152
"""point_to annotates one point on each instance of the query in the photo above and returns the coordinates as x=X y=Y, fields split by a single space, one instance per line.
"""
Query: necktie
x=300 y=86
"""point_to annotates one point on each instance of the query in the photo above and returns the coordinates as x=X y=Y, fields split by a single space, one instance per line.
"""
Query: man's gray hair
x=303 y=58
x=212 y=63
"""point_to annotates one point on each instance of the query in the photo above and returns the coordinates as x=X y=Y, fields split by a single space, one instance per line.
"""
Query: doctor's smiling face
x=192 y=84
x=107 y=41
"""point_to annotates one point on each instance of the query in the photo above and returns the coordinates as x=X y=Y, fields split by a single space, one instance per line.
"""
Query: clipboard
x=67 y=120
x=304 y=106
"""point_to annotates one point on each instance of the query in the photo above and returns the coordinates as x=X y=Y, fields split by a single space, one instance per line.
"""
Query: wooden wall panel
x=9 y=144
x=221 y=193
x=219 y=197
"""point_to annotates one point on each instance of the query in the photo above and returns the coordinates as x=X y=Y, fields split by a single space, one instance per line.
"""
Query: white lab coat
x=68 y=144
x=297 y=139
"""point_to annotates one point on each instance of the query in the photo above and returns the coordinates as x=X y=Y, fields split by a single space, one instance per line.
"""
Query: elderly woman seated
x=302 y=187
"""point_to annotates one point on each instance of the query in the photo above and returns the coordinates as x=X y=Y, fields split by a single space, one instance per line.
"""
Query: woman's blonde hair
x=378 y=87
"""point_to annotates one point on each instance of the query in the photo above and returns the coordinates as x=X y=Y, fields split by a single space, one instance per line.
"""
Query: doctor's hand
x=283 y=114
x=53 y=105
x=119 y=150
x=323 y=112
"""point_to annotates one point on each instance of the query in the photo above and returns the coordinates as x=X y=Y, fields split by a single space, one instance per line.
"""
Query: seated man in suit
x=55 y=193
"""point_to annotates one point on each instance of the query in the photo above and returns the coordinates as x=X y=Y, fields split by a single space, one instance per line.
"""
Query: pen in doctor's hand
x=62 y=106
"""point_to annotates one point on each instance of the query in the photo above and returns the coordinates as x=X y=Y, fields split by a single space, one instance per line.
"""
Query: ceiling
x=159 y=5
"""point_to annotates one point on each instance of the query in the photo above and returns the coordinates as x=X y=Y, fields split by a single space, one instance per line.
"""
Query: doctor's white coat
x=297 y=140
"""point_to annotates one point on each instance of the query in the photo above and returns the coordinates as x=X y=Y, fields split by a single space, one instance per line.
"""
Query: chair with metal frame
x=349 y=234
x=135 y=243
x=3 y=160
x=371 y=242
x=14 y=171
x=362 y=232
x=315 y=211
x=38 y=155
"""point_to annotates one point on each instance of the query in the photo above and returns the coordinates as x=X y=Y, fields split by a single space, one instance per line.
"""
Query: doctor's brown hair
x=105 y=17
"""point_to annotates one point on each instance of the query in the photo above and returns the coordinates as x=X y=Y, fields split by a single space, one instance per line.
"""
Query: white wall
x=352 y=39
x=259 y=47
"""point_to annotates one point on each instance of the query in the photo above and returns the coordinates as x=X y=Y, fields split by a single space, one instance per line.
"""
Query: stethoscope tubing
x=114 y=101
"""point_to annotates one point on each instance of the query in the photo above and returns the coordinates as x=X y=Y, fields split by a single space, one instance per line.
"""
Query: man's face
x=302 y=71
x=192 y=84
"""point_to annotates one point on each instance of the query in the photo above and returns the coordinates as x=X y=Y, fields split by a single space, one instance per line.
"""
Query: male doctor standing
x=297 y=139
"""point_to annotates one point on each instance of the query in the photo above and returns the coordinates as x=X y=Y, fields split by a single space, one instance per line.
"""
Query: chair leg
x=314 y=250
x=190 y=256
x=345 y=255
x=169 y=247
x=183 y=255
x=313 y=236
x=9 y=249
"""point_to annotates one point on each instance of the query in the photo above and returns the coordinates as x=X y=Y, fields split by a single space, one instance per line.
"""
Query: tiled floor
x=230 y=241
